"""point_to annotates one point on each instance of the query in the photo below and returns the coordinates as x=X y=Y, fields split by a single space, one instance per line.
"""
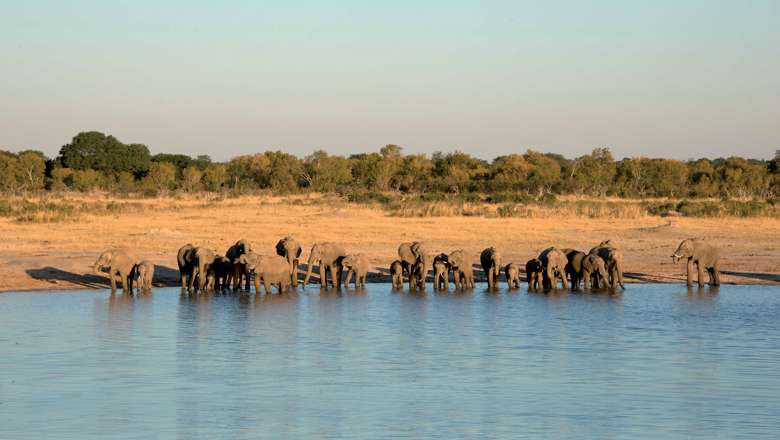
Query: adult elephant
x=462 y=270
x=271 y=270
x=584 y=267
x=328 y=256
x=120 y=264
x=554 y=264
x=415 y=263
x=359 y=265
x=240 y=272
x=194 y=261
x=290 y=249
x=491 y=265
x=613 y=261
x=220 y=273
x=704 y=255
x=533 y=273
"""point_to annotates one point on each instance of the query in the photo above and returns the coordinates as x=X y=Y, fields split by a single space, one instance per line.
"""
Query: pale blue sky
x=654 y=78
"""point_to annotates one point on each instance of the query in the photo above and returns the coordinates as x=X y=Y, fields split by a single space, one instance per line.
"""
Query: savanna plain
x=52 y=243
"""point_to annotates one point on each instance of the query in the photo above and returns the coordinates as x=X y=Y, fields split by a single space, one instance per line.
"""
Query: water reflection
x=650 y=362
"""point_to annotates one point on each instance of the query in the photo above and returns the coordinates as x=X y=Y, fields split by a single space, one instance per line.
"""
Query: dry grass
x=35 y=255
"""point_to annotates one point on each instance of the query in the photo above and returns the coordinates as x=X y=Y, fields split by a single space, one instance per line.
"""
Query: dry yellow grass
x=59 y=255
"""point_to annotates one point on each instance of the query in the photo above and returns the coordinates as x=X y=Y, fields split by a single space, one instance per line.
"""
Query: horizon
x=682 y=80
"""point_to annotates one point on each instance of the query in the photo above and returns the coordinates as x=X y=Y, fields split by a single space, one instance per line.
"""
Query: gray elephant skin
x=703 y=255
x=533 y=273
x=512 y=273
x=120 y=264
x=271 y=270
x=441 y=272
x=194 y=262
x=290 y=249
x=490 y=259
x=358 y=265
x=329 y=257
x=613 y=261
x=240 y=272
x=414 y=260
x=554 y=264
x=397 y=274
x=145 y=274
x=462 y=270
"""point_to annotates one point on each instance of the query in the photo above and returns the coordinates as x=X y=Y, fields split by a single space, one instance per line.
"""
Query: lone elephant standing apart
x=120 y=264
x=491 y=265
x=290 y=249
x=704 y=255
x=329 y=257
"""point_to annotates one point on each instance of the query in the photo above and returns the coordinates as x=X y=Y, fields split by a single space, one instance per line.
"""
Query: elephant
x=414 y=260
x=441 y=272
x=220 y=273
x=491 y=265
x=397 y=274
x=145 y=273
x=512 y=272
x=704 y=255
x=194 y=261
x=240 y=272
x=462 y=271
x=290 y=249
x=613 y=261
x=533 y=273
x=357 y=264
x=120 y=264
x=329 y=256
x=185 y=259
x=594 y=272
x=272 y=269
x=554 y=265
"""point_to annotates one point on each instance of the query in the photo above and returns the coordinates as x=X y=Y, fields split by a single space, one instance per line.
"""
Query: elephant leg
x=689 y=272
x=585 y=280
x=715 y=275
x=267 y=286
x=339 y=271
x=700 y=273
x=257 y=284
x=348 y=277
x=112 y=280
x=564 y=280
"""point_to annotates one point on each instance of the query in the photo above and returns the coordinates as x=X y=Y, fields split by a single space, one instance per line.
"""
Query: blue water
x=657 y=362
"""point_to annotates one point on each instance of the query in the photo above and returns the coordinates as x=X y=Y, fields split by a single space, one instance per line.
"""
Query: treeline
x=93 y=160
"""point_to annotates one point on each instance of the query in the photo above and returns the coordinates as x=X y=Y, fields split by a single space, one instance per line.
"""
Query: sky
x=678 y=79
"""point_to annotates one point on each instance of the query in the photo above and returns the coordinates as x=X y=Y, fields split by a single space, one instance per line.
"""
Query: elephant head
x=103 y=261
x=684 y=250
x=251 y=260
x=593 y=266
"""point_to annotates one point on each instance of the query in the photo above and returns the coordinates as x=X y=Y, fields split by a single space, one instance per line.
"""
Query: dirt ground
x=59 y=255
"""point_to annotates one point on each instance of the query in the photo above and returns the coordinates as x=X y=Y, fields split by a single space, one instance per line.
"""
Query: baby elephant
x=533 y=273
x=397 y=274
x=357 y=264
x=512 y=272
x=441 y=272
x=145 y=273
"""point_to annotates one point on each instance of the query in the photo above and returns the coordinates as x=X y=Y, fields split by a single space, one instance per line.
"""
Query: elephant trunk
x=308 y=271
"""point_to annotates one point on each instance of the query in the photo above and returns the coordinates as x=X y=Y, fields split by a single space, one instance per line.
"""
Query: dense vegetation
x=93 y=160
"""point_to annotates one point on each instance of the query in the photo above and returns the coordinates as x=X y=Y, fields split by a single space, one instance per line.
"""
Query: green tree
x=594 y=173
x=326 y=173
x=215 y=177
x=545 y=173
x=509 y=173
x=95 y=151
x=161 y=177
x=191 y=179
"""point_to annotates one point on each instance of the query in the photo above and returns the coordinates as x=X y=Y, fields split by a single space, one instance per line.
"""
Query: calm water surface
x=657 y=362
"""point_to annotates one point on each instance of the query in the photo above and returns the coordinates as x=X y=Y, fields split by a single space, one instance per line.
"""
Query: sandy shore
x=36 y=256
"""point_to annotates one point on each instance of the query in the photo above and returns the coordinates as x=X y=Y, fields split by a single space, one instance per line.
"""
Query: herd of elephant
x=202 y=269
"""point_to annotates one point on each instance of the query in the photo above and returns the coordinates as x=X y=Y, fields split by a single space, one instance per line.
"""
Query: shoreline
x=60 y=255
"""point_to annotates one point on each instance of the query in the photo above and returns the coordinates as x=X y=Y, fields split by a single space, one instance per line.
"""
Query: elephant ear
x=242 y=259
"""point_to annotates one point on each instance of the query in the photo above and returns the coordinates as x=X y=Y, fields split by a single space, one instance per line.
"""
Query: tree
x=96 y=151
x=545 y=172
x=325 y=173
x=161 y=177
x=191 y=178
x=509 y=173
x=215 y=177
x=594 y=173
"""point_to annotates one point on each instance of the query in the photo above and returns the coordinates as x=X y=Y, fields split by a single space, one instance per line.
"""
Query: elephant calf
x=462 y=270
x=397 y=274
x=533 y=273
x=512 y=273
x=705 y=256
x=441 y=272
x=290 y=249
x=145 y=273
x=220 y=273
x=357 y=264
x=239 y=271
